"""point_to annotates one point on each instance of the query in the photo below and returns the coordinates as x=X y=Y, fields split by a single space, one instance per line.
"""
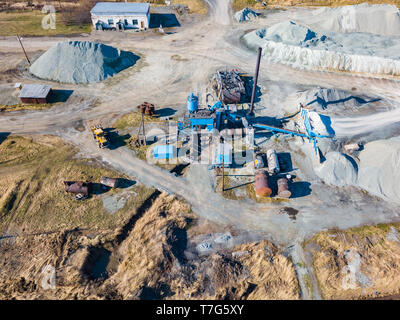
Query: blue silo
x=192 y=103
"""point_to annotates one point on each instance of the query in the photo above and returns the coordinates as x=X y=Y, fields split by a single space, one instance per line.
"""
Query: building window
x=110 y=22
x=134 y=22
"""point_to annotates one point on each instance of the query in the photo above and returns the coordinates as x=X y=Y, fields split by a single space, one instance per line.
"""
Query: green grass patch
x=131 y=120
x=21 y=106
x=228 y=193
x=29 y=23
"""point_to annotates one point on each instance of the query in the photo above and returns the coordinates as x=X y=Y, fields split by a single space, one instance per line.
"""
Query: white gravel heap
x=380 y=19
x=338 y=170
x=296 y=45
x=81 y=62
x=379 y=166
x=245 y=14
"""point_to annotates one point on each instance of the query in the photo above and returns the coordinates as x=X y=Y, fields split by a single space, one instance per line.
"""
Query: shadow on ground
x=59 y=95
x=166 y=20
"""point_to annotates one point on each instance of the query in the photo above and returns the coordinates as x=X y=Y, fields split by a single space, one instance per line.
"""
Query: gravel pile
x=245 y=14
x=81 y=62
x=379 y=168
x=301 y=47
x=338 y=169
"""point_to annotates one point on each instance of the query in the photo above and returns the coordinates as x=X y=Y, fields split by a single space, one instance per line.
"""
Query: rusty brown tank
x=261 y=184
x=283 y=188
x=78 y=187
x=110 y=182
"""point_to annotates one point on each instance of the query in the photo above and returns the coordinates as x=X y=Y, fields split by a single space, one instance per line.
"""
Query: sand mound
x=338 y=170
x=379 y=168
x=296 y=45
x=245 y=14
x=81 y=62
x=379 y=19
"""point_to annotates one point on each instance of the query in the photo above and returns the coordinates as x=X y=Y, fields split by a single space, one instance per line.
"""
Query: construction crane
x=100 y=136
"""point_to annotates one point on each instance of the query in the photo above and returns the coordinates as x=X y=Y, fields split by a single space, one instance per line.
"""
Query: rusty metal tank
x=261 y=184
x=283 y=188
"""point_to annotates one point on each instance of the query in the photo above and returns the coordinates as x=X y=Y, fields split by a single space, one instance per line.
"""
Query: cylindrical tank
x=192 y=103
x=273 y=164
x=261 y=184
x=283 y=188
x=259 y=161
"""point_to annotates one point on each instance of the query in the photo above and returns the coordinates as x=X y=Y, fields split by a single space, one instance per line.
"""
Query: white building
x=120 y=15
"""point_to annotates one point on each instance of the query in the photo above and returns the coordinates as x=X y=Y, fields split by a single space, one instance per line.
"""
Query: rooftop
x=35 y=91
x=120 y=8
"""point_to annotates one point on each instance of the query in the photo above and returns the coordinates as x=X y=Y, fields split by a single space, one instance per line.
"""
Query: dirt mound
x=81 y=62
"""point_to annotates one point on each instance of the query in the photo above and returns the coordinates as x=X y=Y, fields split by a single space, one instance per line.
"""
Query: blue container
x=192 y=103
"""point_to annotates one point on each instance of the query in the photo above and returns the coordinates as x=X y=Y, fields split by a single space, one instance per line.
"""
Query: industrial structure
x=35 y=93
x=224 y=120
x=120 y=15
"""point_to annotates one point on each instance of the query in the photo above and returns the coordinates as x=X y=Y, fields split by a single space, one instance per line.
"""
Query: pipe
x=255 y=80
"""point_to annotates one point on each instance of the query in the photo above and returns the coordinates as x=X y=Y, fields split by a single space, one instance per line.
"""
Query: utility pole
x=223 y=166
x=23 y=49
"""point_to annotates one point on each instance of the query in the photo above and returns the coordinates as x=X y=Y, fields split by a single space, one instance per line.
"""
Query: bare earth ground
x=203 y=45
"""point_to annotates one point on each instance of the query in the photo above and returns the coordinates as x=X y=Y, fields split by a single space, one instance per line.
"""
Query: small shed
x=78 y=187
x=120 y=15
x=35 y=93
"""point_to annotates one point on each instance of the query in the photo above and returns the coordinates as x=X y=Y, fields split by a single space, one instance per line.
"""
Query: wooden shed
x=35 y=93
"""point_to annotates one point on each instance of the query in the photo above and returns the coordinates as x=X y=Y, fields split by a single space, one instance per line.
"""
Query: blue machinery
x=215 y=116
x=310 y=135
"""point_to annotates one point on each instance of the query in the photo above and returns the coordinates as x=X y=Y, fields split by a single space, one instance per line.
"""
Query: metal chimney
x=255 y=80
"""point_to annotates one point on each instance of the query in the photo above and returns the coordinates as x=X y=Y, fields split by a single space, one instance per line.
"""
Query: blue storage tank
x=192 y=103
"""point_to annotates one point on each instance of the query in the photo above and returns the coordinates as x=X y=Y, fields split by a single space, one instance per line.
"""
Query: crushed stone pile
x=245 y=14
x=338 y=169
x=81 y=62
x=380 y=19
x=333 y=100
x=299 y=46
x=379 y=172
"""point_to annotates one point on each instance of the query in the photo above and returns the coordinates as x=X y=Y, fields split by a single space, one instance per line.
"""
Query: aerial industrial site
x=199 y=149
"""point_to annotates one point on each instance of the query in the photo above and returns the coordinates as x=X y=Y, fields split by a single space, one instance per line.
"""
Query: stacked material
x=379 y=168
x=379 y=19
x=229 y=86
x=338 y=169
x=81 y=62
x=245 y=14
x=296 y=45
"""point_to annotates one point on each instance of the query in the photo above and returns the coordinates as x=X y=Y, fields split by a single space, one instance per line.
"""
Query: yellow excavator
x=100 y=136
